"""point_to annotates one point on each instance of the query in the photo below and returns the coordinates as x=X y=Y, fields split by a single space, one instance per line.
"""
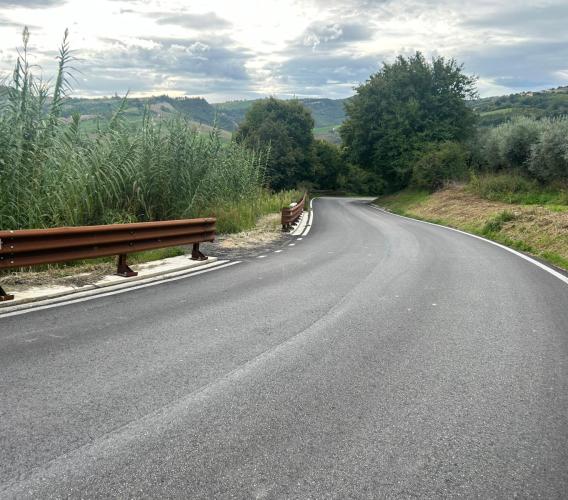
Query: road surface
x=376 y=357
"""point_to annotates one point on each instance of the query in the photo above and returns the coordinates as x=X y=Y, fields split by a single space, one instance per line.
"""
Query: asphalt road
x=378 y=357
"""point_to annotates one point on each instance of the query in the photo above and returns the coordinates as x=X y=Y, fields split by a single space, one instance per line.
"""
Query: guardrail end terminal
x=4 y=296
x=196 y=253
x=122 y=268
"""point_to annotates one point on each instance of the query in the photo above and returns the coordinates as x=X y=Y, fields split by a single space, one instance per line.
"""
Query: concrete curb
x=109 y=283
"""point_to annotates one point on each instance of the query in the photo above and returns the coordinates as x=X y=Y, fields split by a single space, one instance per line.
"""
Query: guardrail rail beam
x=34 y=247
x=292 y=213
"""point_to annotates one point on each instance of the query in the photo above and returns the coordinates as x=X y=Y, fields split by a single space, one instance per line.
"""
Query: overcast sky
x=235 y=49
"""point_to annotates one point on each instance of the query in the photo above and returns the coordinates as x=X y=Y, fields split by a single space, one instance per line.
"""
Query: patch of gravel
x=265 y=237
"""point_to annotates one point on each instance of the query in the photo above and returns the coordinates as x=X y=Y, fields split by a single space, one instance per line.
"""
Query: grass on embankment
x=540 y=230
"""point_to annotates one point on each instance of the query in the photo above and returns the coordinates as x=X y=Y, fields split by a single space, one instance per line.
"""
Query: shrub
x=360 y=181
x=438 y=164
x=519 y=137
x=538 y=148
x=548 y=158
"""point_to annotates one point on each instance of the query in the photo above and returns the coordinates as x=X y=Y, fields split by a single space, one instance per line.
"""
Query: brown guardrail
x=292 y=214
x=33 y=247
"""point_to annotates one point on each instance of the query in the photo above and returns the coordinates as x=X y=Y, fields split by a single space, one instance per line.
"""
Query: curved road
x=378 y=357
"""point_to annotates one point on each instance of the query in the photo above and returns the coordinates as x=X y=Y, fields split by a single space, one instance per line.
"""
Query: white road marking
x=115 y=292
x=299 y=239
x=292 y=245
x=261 y=256
x=310 y=220
x=301 y=225
x=277 y=251
x=544 y=267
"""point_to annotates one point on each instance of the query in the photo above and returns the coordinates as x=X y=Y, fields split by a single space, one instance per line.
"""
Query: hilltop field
x=328 y=114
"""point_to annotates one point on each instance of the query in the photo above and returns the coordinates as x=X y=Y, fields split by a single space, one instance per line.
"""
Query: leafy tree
x=285 y=127
x=402 y=108
x=329 y=166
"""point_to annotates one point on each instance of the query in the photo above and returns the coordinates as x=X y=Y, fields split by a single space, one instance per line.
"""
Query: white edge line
x=309 y=224
x=544 y=267
x=115 y=292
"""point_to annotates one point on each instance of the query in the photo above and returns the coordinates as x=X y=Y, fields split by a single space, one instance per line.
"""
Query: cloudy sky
x=235 y=49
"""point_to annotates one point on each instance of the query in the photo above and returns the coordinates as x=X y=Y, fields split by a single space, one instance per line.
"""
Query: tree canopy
x=402 y=110
x=285 y=127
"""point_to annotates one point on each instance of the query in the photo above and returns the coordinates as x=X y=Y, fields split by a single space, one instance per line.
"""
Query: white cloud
x=227 y=49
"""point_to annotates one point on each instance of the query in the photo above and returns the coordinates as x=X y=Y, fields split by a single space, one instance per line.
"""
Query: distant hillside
x=195 y=109
x=328 y=113
x=496 y=110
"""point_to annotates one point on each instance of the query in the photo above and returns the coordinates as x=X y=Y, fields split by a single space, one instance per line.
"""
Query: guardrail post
x=122 y=268
x=4 y=296
x=196 y=253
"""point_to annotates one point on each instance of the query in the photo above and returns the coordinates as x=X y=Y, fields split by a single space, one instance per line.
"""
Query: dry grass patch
x=267 y=231
x=457 y=206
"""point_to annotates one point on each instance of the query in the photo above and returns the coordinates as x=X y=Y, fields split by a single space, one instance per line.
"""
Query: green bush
x=520 y=136
x=439 y=164
x=537 y=148
x=548 y=159
x=513 y=187
x=495 y=224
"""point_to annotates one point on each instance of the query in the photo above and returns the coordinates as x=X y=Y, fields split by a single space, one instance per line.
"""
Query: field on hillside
x=328 y=113
x=495 y=110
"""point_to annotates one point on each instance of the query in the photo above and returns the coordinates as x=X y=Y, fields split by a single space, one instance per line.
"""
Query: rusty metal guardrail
x=33 y=247
x=293 y=213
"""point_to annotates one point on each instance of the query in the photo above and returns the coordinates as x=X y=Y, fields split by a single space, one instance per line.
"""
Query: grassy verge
x=541 y=230
x=517 y=189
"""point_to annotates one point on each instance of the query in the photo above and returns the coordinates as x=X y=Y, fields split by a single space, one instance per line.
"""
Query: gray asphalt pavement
x=378 y=357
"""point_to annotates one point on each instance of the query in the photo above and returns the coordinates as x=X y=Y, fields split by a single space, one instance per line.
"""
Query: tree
x=285 y=127
x=329 y=166
x=403 y=108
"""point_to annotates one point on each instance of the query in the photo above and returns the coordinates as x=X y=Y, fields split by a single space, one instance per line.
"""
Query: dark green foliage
x=286 y=128
x=361 y=182
x=329 y=167
x=438 y=164
x=400 y=109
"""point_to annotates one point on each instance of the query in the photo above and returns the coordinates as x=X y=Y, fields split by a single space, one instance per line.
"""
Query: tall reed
x=52 y=173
